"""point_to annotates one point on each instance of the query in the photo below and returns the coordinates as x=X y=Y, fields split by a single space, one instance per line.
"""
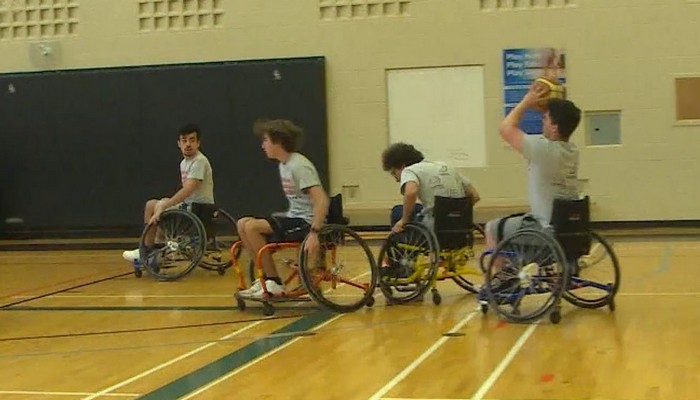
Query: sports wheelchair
x=342 y=276
x=530 y=270
x=413 y=260
x=185 y=237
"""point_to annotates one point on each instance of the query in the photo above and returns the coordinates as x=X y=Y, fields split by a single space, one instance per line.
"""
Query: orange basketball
x=553 y=90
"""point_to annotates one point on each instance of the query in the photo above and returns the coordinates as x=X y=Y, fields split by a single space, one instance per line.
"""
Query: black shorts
x=285 y=229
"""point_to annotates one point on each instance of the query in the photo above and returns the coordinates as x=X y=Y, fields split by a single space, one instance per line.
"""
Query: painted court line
x=415 y=398
x=668 y=294
x=227 y=366
x=488 y=383
x=403 y=374
x=168 y=363
x=255 y=361
x=72 y=394
x=122 y=296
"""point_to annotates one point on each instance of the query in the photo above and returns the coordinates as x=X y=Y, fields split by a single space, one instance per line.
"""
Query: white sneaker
x=254 y=288
x=272 y=287
x=131 y=255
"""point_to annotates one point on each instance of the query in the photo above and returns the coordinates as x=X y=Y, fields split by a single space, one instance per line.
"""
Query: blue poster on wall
x=520 y=68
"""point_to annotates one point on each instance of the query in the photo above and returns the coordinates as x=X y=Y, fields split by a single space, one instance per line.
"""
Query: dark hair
x=280 y=131
x=565 y=115
x=400 y=155
x=189 y=128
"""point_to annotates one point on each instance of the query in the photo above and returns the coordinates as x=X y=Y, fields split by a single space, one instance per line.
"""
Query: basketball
x=553 y=90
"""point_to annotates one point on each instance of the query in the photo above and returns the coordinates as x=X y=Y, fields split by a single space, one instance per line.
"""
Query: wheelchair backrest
x=454 y=222
x=335 y=211
x=207 y=214
x=571 y=221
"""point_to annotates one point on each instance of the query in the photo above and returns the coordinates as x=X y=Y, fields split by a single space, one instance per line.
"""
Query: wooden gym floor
x=79 y=325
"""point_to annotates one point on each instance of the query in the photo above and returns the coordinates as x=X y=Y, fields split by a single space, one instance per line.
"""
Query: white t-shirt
x=198 y=168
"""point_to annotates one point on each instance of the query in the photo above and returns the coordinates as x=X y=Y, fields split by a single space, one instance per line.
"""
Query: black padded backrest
x=335 y=211
x=454 y=222
x=571 y=220
x=207 y=214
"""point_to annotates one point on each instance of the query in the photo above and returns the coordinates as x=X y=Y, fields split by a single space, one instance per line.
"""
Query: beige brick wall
x=621 y=55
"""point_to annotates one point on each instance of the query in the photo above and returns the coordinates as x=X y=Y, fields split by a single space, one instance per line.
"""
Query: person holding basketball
x=552 y=160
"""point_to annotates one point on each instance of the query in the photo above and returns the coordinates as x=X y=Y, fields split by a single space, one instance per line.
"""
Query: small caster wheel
x=268 y=310
x=221 y=271
x=240 y=304
x=555 y=316
x=484 y=308
x=611 y=304
x=437 y=299
x=370 y=302
x=138 y=273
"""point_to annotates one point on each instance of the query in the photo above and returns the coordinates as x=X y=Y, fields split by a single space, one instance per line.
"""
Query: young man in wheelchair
x=308 y=203
x=421 y=180
x=552 y=166
x=197 y=184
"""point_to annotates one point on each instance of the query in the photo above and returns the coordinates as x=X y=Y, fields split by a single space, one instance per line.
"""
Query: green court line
x=237 y=359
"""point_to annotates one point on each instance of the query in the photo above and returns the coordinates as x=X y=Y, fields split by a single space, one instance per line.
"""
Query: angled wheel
x=526 y=276
x=408 y=263
x=179 y=245
x=466 y=282
x=343 y=274
x=216 y=256
x=596 y=277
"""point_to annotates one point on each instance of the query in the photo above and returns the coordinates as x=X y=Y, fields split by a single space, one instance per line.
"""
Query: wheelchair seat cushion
x=285 y=229
x=503 y=227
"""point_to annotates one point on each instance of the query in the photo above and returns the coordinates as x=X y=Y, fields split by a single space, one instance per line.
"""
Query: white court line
x=403 y=374
x=264 y=356
x=255 y=361
x=162 y=296
x=488 y=383
x=415 y=398
x=41 y=393
x=168 y=363
x=206 y=296
x=669 y=294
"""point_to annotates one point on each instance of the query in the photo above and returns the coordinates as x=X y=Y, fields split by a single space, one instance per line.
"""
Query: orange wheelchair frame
x=308 y=288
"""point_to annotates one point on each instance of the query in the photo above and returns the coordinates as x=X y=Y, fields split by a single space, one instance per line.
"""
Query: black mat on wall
x=84 y=149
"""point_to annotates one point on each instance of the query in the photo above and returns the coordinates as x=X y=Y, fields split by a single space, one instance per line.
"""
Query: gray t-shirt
x=198 y=168
x=298 y=174
x=434 y=179
x=552 y=173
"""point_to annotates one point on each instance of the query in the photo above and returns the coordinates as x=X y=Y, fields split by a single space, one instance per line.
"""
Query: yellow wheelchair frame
x=422 y=264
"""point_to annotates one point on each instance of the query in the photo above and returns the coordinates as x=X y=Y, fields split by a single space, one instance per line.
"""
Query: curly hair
x=400 y=155
x=280 y=131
